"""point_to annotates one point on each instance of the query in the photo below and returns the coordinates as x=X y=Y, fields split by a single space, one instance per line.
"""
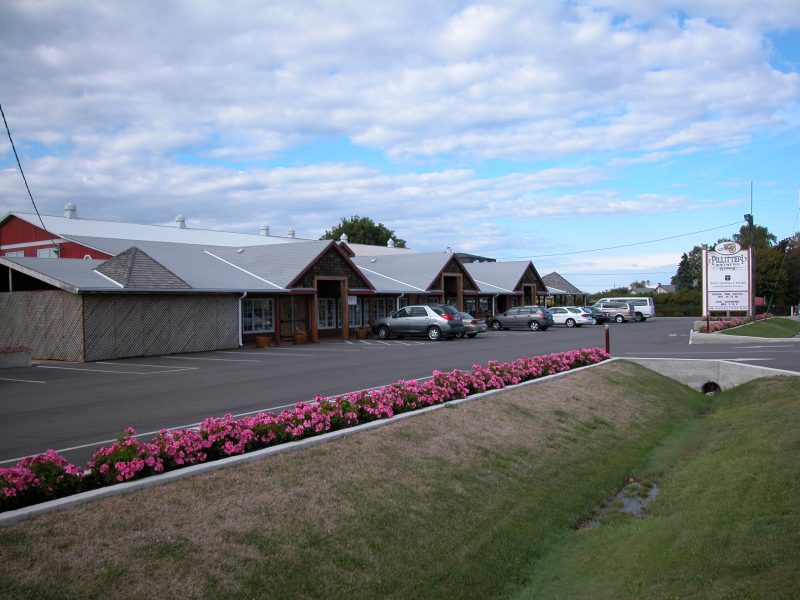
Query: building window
x=380 y=308
x=354 y=315
x=16 y=253
x=257 y=315
x=326 y=313
x=484 y=304
x=469 y=305
x=402 y=302
x=47 y=253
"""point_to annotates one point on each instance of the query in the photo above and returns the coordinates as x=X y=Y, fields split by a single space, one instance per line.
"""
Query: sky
x=566 y=133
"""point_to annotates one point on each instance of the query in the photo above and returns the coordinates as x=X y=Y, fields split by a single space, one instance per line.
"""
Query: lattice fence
x=49 y=322
x=118 y=326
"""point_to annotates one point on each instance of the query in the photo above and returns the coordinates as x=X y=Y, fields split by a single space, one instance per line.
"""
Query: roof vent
x=390 y=243
x=265 y=230
x=70 y=211
x=343 y=238
x=180 y=221
x=290 y=233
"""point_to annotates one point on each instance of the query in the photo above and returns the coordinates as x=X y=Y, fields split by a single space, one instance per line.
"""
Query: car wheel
x=639 y=318
x=570 y=323
x=534 y=326
x=619 y=319
x=460 y=335
x=434 y=334
x=383 y=333
x=496 y=325
x=472 y=335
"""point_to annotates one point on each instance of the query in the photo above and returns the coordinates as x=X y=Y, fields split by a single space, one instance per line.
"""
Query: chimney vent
x=390 y=243
x=265 y=230
x=70 y=211
x=290 y=233
x=181 y=222
x=343 y=238
x=448 y=250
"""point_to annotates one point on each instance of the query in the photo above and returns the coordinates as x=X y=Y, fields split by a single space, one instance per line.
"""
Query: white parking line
x=141 y=365
x=214 y=359
x=21 y=380
x=118 y=372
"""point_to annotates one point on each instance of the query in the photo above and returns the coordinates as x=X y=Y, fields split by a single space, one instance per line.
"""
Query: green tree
x=363 y=230
x=690 y=270
x=762 y=238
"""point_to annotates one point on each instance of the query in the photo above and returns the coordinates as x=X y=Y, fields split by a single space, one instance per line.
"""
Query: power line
x=14 y=148
x=672 y=237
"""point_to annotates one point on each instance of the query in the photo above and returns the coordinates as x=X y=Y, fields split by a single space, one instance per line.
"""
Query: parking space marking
x=21 y=380
x=117 y=372
x=287 y=354
x=213 y=359
x=142 y=365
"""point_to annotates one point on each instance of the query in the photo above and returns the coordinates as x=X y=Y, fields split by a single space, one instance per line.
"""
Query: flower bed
x=49 y=476
x=719 y=325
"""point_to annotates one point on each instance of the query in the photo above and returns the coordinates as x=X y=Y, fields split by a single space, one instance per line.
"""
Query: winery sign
x=726 y=278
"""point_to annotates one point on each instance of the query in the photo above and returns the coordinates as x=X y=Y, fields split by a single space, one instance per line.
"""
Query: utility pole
x=749 y=219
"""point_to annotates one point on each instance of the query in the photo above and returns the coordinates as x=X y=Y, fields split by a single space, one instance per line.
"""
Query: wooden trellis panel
x=49 y=322
x=118 y=326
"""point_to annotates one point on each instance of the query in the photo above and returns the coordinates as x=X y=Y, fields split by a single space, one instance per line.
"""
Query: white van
x=644 y=307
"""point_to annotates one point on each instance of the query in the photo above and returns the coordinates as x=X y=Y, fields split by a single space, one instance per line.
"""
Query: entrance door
x=293 y=316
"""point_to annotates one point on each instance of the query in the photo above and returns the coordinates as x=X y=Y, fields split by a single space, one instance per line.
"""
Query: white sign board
x=352 y=300
x=726 y=278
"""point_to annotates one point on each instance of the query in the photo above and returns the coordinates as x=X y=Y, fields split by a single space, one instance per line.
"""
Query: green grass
x=776 y=327
x=479 y=501
x=726 y=523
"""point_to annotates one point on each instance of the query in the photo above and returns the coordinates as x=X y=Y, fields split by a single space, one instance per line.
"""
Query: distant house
x=640 y=291
x=664 y=289
x=562 y=291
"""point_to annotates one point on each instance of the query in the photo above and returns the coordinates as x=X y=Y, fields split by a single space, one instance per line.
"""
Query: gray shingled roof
x=412 y=273
x=554 y=280
x=135 y=269
x=68 y=274
x=497 y=277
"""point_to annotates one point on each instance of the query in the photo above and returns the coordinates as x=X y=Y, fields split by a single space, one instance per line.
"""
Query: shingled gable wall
x=332 y=264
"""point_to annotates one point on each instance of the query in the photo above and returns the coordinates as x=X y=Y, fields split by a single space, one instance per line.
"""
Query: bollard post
x=608 y=340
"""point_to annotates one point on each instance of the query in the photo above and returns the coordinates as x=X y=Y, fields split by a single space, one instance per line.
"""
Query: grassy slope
x=454 y=504
x=725 y=525
x=777 y=327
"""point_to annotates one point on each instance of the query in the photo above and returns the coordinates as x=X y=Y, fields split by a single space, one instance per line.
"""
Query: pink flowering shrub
x=721 y=324
x=48 y=475
x=38 y=478
x=125 y=459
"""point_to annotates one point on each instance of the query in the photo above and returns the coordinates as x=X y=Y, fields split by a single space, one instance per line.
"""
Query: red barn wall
x=18 y=231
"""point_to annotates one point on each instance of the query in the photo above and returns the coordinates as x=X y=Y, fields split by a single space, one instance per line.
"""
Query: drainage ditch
x=633 y=499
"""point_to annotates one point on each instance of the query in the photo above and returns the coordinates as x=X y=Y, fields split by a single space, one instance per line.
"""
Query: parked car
x=597 y=314
x=433 y=321
x=534 y=318
x=571 y=316
x=472 y=326
x=643 y=307
x=618 y=311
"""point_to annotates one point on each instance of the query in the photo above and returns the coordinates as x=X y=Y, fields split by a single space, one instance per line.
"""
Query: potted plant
x=363 y=333
x=15 y=356
x=300 y=336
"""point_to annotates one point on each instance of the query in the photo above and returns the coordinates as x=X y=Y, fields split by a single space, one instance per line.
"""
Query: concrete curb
x=721 y=338
x=14 y=516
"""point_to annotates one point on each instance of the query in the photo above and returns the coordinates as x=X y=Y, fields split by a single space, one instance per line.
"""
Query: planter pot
x=10 y=360
x=263 y=341
x=300 y=338
x=363 y=332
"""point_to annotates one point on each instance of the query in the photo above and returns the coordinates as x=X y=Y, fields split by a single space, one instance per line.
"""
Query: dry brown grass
x=340 y=513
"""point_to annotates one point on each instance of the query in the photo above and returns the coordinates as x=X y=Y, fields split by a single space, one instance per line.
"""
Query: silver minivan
x=433 y=321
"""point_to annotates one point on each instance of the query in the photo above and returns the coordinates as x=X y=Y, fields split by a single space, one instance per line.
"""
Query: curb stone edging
x=14 y=516
x=721 y=338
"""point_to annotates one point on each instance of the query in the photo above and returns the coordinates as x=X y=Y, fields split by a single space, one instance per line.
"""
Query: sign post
x=727 y=282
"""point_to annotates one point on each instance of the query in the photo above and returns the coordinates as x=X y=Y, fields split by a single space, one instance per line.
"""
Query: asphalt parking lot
x=75 y=407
